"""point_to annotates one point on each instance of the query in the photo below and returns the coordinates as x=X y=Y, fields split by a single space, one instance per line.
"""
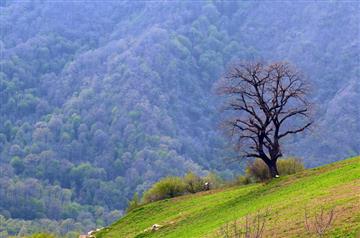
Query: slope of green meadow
x=203 y=214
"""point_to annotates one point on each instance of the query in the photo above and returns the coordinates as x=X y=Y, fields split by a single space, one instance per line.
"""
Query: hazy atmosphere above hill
x=101 y=99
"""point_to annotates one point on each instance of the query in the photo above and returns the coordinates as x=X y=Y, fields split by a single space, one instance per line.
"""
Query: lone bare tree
x=264 y=104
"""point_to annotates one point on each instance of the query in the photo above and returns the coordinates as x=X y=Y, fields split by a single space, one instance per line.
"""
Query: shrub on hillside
x=321 y=223
x=168 y=187
x=193 y=183
x=290 y=166
x=258 y=170
x=134 y=203
x=251 y=227
x=214 y=180
x=240 y=180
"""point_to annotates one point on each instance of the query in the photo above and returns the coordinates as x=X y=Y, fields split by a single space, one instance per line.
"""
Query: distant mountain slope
x=99 y=100
x=203 y=214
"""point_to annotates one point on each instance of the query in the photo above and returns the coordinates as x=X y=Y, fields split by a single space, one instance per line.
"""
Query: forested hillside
x=100 y=100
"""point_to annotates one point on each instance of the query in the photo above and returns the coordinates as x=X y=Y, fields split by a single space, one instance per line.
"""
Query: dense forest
x=99 y=100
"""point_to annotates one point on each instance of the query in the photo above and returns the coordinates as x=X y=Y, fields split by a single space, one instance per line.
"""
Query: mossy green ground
x=201 y=215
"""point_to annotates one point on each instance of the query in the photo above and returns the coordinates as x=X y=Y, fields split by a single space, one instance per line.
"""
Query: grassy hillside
x=202 y=215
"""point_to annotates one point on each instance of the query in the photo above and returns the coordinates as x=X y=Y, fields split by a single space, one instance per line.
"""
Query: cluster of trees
x=85 y=124
x=21 y=228
x=93 y=111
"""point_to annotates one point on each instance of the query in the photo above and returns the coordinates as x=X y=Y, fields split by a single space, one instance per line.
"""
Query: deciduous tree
x=264 y=103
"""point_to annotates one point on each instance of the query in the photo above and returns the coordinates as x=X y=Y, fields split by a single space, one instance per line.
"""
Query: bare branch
x=295 y=131
x=262 y=99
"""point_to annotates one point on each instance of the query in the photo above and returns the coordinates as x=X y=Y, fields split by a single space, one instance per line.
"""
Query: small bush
x=321 y=223
x=168 y=187
x=193 y=183
x=134 y=203
x=241 y=180
x=214 y=180
x=290 y=166
x=252 y=227
x=258 y=170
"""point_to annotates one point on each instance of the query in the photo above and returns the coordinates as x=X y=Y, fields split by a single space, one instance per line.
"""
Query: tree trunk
x=273 y=169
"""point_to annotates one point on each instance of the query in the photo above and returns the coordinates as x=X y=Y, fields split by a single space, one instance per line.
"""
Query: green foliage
x=176 y=186
x=71 y=210
x=168 y=187
x=214 y=180
x=17 y=164
x=241 y=180
x=193 y=183
x=259 y=171
x=290 y=166
x=41 y=235
x=134 y=203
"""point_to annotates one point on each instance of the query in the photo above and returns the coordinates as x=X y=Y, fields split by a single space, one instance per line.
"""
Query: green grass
x=202 y=215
